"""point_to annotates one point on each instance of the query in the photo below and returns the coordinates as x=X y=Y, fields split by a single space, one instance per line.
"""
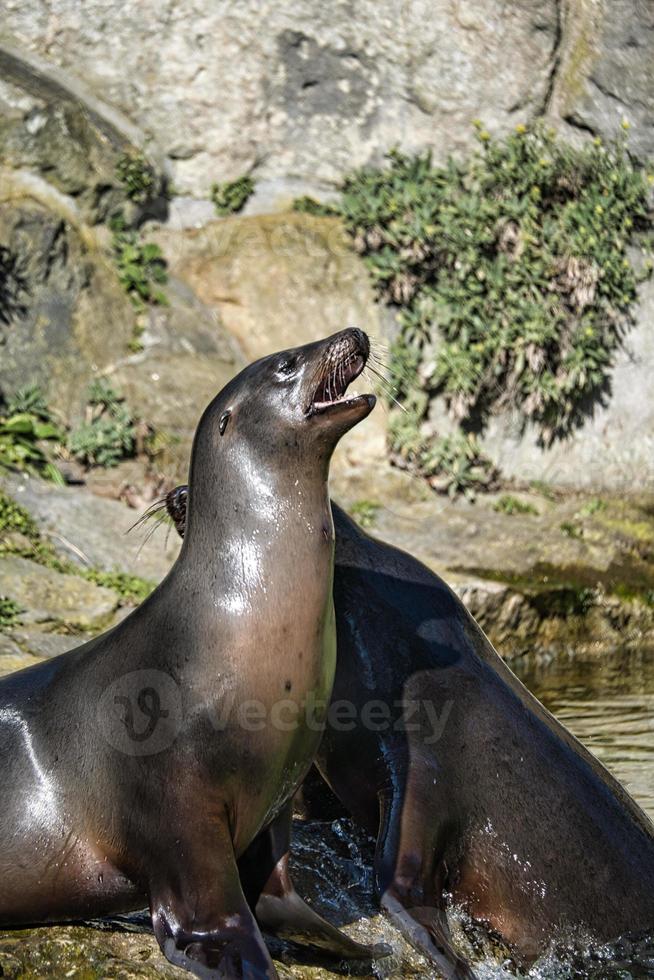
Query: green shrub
x=108 y=433
x=29 y=438
x=232 y=195
x=508 y=504
x=137 y=176
x=452 y=464
x=511 y=272
x=10 y=612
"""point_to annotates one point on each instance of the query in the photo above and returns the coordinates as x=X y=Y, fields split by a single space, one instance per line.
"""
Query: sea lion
x=155 y=763
x=471 y=786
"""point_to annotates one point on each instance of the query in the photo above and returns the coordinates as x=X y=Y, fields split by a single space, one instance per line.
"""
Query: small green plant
x=29 y=438
x=141 y=266
x=10 y=612
x=508 y=504
x=308 y=205
x=108 y=432
x=137 y=176
x=29 y=400
x=231 y=196
x=13 y=286
x=131 y=589
x=511 y=271
x=572 y=530
x=595 y=506
x=365 y=512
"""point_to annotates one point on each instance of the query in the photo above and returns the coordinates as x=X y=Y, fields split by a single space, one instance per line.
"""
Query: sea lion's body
x=490 y=798
x=470 y=785
x=132 y=768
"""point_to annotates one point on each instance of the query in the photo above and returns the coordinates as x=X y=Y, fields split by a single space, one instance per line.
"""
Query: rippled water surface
x=607 y=702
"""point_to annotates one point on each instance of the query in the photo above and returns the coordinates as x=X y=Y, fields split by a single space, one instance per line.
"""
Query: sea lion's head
x=294 y=403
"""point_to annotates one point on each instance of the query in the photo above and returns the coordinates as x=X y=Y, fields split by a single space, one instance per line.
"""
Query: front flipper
x=200 y=916
x=278 y=907
x=410 y=887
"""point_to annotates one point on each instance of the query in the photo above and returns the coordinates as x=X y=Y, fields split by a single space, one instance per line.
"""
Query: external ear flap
x=224 y=419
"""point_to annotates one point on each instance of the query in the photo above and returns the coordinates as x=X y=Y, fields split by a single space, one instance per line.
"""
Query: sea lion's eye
x=224 y=419
x=287 y=366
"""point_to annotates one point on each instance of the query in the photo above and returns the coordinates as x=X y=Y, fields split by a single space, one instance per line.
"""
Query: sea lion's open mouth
x=344 y=362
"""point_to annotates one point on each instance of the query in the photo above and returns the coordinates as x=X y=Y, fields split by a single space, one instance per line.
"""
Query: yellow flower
x=589 y=332
x=599 y=209
x=625 y=123
x=543 y=162
x=476 y=123
x=650 y=178
x=597 y=141
x=521 y=128
x=535 y=192
x=484 y=135
x=625 y=263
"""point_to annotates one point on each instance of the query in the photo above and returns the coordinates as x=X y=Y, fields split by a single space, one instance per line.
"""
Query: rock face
x=67 y=317
x=48 y=596
x=92 y=532
x=614 y=448
x=279 y=281
x=606 y=70
x=304 y=90
x=302 y=93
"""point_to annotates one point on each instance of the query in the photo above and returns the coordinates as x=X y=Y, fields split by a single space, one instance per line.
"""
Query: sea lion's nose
x=362 y=341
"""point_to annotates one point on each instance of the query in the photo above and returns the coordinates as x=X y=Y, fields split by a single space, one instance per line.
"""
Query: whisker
x=148 y=513
x=386 y=388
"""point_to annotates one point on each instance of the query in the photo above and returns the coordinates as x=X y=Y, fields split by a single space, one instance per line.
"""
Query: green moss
x=508 y=504
x=545 y=490
x=576 y=587
x=13 y=517
x=131 y=589
x=573 y=73
x=641 y=531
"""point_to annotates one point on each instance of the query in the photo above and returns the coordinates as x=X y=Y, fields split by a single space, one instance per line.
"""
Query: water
x=607 y=702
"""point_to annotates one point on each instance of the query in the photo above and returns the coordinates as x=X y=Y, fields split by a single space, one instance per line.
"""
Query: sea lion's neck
x=244 y=505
